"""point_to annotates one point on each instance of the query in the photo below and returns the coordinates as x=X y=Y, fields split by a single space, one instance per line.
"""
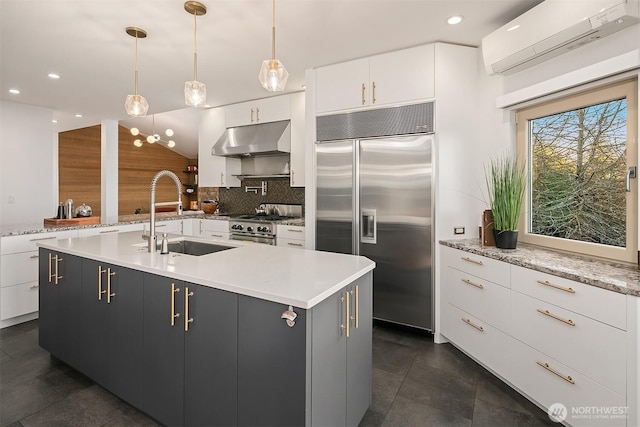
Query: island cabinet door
x=163 y=349
x=211 y=356
x=341 y=345
x=112 y=328
x=60 y=299
x=272 y=365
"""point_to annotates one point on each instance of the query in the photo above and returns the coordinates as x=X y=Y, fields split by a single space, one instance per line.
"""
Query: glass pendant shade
x=273 y=76
x=195 y=93
x=136 y=105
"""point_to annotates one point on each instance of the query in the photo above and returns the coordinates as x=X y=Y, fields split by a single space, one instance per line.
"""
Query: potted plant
x=506 y=183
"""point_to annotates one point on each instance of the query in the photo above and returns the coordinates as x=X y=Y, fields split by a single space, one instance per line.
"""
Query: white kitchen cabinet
x=553 y=339
x=399 y=77
x=217 y=229
x=264 y=110
x=174 y=226
x=291 y=236
x=96 y=231
x=298 y=152
x=215 y=171
x=19 y=273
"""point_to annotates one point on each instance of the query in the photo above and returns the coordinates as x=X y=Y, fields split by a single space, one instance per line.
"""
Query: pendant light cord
x=195 y=45
x=136 y=71
x=273 y=29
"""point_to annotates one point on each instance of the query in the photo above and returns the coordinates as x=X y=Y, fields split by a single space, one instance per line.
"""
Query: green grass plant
x=506 y=184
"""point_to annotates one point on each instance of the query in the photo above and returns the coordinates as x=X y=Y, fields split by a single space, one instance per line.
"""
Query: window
x=578 y=151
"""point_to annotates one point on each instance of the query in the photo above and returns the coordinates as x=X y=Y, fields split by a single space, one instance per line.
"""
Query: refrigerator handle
x=368 y=223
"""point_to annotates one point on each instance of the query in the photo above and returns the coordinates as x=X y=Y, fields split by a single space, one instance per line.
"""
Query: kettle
x=83 y=210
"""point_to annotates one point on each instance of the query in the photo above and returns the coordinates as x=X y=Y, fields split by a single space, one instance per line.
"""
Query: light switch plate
x=458 y=230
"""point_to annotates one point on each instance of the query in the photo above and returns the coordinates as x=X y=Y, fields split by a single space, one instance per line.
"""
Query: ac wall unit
x=552 y=28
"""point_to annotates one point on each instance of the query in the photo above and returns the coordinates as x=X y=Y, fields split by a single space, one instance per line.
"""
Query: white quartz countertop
x=298 y=277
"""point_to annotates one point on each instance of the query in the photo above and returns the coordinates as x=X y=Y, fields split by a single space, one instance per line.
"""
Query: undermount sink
x=191 y=247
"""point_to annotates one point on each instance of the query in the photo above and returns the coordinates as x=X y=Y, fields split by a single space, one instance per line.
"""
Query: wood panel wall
x=80 y=177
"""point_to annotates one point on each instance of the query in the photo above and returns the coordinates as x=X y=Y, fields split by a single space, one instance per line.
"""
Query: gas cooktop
x=269 y=218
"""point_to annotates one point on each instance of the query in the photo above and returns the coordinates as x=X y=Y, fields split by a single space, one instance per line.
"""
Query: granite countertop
x=21 y=229
x=297 y=277
x=617 y=277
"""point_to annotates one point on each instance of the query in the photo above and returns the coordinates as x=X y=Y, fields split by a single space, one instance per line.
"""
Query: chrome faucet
x=152 y=205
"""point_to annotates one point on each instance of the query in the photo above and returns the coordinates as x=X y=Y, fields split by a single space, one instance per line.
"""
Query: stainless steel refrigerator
x=374 y=198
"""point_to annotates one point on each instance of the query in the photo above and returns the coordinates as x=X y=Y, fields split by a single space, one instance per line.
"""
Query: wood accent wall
x=80 y=178
x=79 y=168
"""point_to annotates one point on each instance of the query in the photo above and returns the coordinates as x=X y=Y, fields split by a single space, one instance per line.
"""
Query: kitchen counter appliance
x=374 y=198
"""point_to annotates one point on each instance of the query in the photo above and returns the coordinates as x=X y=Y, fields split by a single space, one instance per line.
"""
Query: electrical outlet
x=458 y=230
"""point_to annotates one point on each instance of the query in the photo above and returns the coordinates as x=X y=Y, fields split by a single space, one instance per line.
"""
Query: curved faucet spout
x=153 y=204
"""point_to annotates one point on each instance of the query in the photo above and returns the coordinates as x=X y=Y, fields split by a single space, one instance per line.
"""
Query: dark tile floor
x=415 y=383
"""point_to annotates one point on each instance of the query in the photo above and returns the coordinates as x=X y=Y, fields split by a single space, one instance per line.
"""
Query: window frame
x=624 y=89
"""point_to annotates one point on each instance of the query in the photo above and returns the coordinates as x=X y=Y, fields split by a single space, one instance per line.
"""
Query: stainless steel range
x=261 y=227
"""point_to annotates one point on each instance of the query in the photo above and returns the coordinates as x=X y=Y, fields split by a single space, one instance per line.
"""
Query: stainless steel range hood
x=260 y=139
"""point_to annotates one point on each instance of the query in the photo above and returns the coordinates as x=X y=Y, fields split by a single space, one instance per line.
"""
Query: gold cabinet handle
x=100 y=290
x=293 y=175
x=58 y=276
x=109 y=293
x=345 y=326
x=200 y=228
x=469 y=282
x=555 y=316
x=294 y=230
x=470 y=323
x=34 y=256
x=475 y=261
x=553 y=285
x=109 y=231
x=373 y=92
x=295 y=244
x=252 y=115
x=187 y=319
x=356 y=308
x=546 y=366
x=222 y=175
x=42 y=238
x=34 y=287
x=50 y=274
x=257 y=115
x=174 y=291
x=217 y=235
x=363 y=89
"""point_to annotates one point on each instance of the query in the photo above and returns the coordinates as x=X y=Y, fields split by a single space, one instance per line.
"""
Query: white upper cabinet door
x=297 y=161
x=265 y=110
x=403 y=76
x=214 y=171
x=342 y=86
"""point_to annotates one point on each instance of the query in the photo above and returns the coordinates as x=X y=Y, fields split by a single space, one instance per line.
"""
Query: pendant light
x=195 y=92
x=273 y=76
x=136 y=105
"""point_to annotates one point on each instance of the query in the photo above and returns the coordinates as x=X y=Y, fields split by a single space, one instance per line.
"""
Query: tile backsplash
x=238 y=201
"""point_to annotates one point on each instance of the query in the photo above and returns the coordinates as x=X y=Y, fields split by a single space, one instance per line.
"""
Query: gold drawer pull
x=295 y=244
x=100 y=290
x=466 y=258
x=469 y=282
x=470 y=323
x=216 y=235
x=294 y=230
x=553 y=285
x=42 y=238
x=34 y=287
x=187 y=319
x=109 y=231
x=548 y=313
x=567 y=378
x=34 y=257
x=174 y=290
x=109 y=293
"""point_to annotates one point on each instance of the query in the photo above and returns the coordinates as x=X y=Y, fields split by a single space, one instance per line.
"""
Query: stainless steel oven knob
x=266 y=229
x=249 y=228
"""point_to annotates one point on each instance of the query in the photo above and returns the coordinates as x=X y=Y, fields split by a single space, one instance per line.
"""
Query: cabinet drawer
x=28 y=242
x=479 y=297
x=109 y=230
x=216 y=225
x=215 y=235
x=590 y=347
x=546 y=387
x=295 y=232
x=487 y=345
x=18 y=300
x=483 y=267
x=600 y=304
x=19 y=268
x=290 y=243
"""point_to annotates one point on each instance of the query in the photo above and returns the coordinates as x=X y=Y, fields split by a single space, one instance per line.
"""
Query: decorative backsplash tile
x=239 y=201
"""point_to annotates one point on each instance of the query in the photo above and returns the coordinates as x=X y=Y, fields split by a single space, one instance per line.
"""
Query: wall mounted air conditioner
x=552 y=28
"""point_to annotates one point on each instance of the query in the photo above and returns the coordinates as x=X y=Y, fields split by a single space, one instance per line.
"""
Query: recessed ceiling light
x=54 y=121
x=14 y=91
x=78 y=115
x=456 y=19
x=53 y=76
x=515 y=27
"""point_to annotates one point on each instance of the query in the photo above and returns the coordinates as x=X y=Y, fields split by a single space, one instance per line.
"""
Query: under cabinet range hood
x=253 y=140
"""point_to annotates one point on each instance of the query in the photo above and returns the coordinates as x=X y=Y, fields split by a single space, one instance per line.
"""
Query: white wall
x=28 y=164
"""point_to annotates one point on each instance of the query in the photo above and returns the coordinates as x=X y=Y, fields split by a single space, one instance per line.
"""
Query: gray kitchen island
x=252 y=335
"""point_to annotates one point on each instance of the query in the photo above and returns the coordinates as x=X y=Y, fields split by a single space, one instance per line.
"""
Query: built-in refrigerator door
x=395 y=226
x=334 y=196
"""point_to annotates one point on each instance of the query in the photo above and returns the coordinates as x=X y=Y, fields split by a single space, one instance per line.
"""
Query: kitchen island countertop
x=301 y=278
